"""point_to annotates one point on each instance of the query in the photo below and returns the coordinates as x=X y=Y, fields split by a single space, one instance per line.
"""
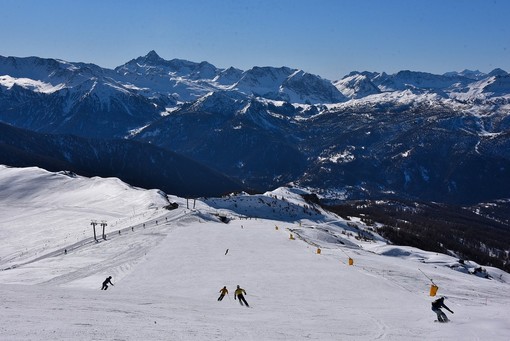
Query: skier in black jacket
x=106 y=282
x=436 y=307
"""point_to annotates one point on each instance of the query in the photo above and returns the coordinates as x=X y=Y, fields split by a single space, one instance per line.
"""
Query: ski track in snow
x=167 y=276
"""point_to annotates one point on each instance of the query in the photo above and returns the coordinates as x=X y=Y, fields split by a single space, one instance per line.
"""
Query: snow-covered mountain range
x=409 y=134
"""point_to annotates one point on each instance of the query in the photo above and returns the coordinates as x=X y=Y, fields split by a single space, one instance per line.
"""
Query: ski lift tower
x=94 y=223
x=103 y=225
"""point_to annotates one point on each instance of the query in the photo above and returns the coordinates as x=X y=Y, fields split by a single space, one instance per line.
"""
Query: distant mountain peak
x=152 y=56
x=358 y=85
x=471 y=74
x=498 y=72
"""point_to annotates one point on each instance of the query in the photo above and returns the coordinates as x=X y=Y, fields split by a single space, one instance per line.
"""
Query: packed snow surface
x=169 y=265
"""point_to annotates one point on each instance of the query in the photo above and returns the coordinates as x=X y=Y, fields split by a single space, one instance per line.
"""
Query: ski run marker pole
x=430 y=279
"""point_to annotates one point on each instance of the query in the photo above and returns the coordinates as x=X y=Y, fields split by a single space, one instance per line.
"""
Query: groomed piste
x=168 y=266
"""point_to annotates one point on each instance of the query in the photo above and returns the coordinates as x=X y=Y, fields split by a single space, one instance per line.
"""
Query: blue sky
x=325 y=37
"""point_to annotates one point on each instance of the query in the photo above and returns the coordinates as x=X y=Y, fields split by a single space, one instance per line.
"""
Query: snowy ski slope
x=168 y=267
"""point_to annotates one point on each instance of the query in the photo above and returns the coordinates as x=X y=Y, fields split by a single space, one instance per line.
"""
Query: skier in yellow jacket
x=223 y=292
x=239 y=294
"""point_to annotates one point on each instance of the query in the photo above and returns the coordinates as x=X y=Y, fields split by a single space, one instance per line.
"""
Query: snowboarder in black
x=223 y=292
x=106 y=282
x=239 y=294
x=436 y=307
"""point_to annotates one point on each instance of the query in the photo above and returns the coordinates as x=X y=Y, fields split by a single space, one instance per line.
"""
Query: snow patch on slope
x=30 y=84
